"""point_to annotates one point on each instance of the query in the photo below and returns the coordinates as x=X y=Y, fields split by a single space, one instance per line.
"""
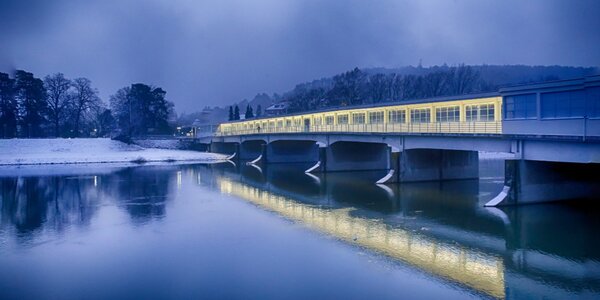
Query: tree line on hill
x=357 y=87
x=376 y=85
x=234 y=112
x=56 y=106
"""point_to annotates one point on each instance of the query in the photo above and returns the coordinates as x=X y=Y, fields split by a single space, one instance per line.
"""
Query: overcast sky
x=218 y=52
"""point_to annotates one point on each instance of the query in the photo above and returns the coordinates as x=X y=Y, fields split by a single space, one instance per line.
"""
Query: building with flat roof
x=566 y=107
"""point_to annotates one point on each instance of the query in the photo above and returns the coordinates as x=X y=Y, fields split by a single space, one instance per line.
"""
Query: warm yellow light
x=478 y=270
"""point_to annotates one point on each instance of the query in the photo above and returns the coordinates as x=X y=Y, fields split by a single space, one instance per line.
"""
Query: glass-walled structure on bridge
x=467 y=114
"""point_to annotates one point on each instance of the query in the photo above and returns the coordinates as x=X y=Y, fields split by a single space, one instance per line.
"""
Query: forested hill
x=375 y=85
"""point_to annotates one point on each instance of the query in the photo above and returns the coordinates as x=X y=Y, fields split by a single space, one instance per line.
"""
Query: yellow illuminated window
x=447 y=114
x=342 y=119
x=479 y=113
x=420 y=115
x=376 y=117
x=329 y=120
x=397 y=116
x=358 y=118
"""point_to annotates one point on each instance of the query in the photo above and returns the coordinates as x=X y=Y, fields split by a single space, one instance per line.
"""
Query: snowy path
x=73 y=151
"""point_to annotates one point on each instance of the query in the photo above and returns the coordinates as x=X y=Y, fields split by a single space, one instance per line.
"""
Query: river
x=237 y=231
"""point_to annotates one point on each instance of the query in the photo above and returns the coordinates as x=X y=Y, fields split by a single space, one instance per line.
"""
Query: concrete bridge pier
x=416 y=165
x=529 y=181
x=250 y=149
x=319 y=166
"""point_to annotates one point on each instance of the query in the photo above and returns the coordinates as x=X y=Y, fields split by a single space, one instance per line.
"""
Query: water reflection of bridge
x=477 y=270
x=437 y=227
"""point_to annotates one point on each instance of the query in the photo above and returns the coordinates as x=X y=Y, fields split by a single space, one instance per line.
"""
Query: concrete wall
x=356 y=156
x=566 y=127
x=560 y=151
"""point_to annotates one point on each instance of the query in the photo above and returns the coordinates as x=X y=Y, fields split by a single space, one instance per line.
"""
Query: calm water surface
x=232 y=231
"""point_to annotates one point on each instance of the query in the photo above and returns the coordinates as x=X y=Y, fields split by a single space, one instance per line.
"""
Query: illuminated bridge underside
x=472 y=268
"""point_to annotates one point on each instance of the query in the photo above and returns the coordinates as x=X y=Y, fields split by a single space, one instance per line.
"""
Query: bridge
x=551 y=132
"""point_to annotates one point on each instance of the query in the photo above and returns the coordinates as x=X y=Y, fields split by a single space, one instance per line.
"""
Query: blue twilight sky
x=221 y=51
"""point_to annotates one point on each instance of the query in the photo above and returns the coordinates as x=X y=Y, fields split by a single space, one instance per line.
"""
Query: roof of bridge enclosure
x=384 y=104
x=592 y=80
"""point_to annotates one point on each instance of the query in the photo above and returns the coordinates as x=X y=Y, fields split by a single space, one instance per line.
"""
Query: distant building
x=200 y=129
x=280 y=108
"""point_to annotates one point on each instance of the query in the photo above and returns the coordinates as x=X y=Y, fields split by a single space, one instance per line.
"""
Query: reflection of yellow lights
x=95 y=180
x=178 y=179
x=475 y=269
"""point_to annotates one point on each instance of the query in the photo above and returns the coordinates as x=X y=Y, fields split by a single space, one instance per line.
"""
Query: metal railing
x=494 y=127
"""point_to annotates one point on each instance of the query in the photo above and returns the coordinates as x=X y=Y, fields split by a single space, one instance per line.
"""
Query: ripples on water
x=67 y=235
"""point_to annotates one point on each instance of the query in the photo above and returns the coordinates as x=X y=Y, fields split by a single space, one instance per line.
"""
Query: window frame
x=343 y=117
x=421 y=113
x=360 y=117
x=442 y=114
x=397 y=116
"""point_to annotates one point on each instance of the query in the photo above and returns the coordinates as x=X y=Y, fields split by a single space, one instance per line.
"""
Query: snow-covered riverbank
x=77 y=151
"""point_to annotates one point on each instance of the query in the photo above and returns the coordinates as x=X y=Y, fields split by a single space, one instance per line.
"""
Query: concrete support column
x=250 y=150
x=393 y=174
x=540 y=181
x=321 y=164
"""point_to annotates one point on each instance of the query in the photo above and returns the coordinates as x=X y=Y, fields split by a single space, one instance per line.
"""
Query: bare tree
x=378 y=87
x=58 y=98
x=435 y=84
x=85 y=101
x=464 y=79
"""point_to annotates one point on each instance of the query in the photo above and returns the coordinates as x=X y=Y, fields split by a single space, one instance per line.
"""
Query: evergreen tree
x=231 y=113
x=8 y=107
x=259 y=111
x=105 y=123
x=141 y=109
x=236 y=113
x=249 y=113
x=31 y=100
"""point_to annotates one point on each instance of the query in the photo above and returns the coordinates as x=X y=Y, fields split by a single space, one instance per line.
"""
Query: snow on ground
x=72 y=151
x=160 y=144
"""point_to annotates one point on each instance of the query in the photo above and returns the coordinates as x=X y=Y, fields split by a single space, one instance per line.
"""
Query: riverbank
x=81 y=151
